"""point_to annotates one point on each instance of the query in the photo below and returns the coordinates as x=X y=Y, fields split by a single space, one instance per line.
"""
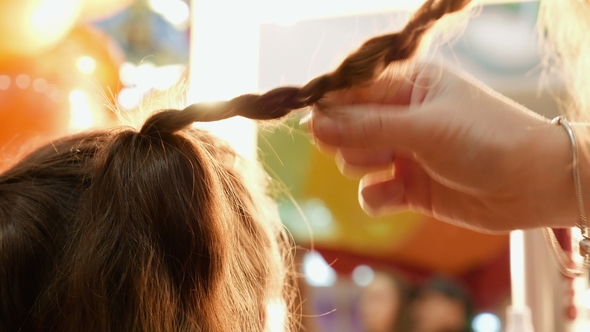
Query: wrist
x=554 y=194
x=557 y=197
x=582 y=134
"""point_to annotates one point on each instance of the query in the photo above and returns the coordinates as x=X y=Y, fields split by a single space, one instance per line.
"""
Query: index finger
x=371 y=126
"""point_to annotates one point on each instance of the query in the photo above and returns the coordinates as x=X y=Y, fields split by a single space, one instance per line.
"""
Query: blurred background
x=67 y=65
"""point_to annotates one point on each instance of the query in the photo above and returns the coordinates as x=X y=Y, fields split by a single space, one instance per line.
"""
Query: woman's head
x=150 y=230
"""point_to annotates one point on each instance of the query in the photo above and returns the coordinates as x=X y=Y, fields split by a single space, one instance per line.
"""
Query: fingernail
x=368 y=209
x=324 y=124
x=305 y=120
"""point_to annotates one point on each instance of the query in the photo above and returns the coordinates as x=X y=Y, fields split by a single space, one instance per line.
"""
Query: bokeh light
x=486 y=322
x=363 y=275
x=317 y=272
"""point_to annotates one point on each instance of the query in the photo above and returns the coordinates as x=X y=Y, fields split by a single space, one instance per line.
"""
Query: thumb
x=371 y=126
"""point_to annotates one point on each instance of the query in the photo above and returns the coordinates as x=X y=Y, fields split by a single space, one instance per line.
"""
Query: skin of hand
x=441 y=143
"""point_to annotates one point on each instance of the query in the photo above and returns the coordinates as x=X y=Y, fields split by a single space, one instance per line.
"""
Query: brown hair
x=161 y=229
x=156 y=230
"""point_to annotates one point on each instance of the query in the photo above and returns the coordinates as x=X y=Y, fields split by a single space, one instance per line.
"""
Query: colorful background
x=65 y=65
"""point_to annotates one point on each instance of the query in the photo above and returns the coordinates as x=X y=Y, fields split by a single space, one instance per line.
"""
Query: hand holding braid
x=440 y=143
x=359 y=67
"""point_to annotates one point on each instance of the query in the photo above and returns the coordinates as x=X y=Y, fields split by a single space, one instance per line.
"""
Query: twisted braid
x=362 y=66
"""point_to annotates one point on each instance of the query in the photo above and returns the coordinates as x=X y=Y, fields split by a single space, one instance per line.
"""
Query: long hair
x=563 y=27
x=150 y=230
x=162 y=228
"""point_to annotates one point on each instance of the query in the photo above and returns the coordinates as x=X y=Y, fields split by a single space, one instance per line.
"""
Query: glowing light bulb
x=363 y=275
x=317 y=272
x=86 y=64
x=486 y=322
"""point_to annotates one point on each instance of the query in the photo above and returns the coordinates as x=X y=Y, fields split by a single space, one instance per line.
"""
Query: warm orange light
x=81 y=116
x=32 y=26
x=86 y=64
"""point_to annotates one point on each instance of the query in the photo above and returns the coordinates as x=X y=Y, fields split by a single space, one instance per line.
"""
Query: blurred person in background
x=441 y=306
x=384 y=303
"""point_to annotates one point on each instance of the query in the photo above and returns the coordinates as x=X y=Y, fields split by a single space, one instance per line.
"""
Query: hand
x=452 y=148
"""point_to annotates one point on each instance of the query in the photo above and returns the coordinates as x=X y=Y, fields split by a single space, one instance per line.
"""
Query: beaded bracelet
x=566 y=266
